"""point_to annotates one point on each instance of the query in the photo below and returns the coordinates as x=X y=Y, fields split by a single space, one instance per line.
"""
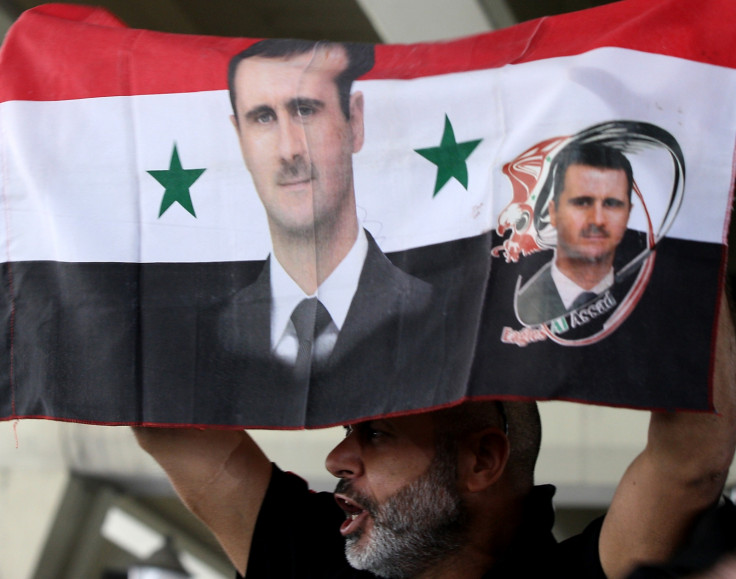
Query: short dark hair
x=360 y=56
x=591 y=155
x=520 y=421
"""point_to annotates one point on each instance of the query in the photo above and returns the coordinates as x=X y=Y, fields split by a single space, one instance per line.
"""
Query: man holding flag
x=450 y=493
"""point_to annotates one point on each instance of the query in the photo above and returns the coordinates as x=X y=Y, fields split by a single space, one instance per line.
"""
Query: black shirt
x=297 y=536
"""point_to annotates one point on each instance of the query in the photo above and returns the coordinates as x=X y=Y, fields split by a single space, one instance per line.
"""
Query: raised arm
x=680 y=473
x=220 y=475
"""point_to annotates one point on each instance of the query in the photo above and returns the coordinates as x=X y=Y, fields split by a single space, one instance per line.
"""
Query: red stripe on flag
x=52 y=55
x=57 y=51
x=671 y=27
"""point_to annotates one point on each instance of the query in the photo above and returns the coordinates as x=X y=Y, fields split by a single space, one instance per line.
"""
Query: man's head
x=591 y=203
x=413 y=487
x=360 y=58
x=298 y=127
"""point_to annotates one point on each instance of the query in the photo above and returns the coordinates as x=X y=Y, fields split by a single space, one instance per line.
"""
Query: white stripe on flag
x=76 y=186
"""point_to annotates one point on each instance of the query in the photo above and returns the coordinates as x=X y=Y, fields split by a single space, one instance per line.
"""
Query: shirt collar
x=336 y=292
x=569 y=290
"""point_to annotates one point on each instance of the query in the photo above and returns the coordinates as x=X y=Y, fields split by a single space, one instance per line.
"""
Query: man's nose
x=344 y=460
x=292 y=140
x=597 y=213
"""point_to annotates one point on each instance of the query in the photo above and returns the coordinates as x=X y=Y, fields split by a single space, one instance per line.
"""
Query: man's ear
x=483 y=457
x=356 y=120
x=234 y=121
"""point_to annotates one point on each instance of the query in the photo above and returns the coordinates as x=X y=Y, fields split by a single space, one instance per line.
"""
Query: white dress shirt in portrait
x=569 y=290
x=336 y=294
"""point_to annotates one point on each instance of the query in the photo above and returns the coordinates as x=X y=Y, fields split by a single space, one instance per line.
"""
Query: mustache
x=296 y=169
x=595 y=230
x=345 y=487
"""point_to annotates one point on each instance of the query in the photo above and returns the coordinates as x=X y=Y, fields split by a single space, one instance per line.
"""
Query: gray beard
x=419 y=525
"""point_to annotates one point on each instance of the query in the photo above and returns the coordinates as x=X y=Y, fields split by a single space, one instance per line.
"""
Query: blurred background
x=79 y=501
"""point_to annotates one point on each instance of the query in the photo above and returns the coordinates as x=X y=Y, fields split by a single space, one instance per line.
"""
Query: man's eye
x=613 y=203
x=581 y=202
x=261 y=115
x=365 y=432
x=373 y=434
x=304 y=111
x=265 y=118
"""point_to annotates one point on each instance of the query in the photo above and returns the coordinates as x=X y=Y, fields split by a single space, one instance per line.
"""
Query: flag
x=142 y=250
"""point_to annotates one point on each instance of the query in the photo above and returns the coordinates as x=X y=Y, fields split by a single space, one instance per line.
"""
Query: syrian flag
x=142 y=253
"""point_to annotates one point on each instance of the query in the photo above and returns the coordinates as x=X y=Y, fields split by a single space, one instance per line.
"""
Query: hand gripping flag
x=229 y=232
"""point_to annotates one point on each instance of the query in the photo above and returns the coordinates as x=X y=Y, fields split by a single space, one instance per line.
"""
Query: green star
x=176 y=182
x=450 y=158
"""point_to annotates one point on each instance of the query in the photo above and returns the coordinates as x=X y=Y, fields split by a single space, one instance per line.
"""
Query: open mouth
x=355 y=515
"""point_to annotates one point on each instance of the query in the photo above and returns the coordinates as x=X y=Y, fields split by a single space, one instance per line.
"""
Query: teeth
x=354 y=516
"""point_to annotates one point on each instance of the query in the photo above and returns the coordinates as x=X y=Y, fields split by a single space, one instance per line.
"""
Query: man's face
x=295 y=139
x=403 y=509
x=591 y=213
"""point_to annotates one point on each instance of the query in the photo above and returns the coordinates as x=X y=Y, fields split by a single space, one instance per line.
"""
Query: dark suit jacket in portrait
x=539 y=301
x=384 y=359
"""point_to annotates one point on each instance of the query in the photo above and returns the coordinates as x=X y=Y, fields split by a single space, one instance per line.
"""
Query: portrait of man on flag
x=328 y=307
x=590 y=210
x=582 y=208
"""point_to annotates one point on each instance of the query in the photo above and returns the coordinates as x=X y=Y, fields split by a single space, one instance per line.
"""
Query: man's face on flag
x=295 y=138
x=591 y=214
